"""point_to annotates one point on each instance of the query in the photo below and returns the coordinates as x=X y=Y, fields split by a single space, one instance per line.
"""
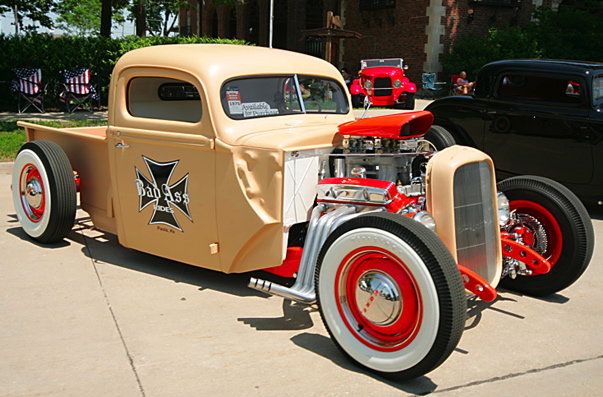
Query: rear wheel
x=560 y=230
x=390 y=295
x=44 y=193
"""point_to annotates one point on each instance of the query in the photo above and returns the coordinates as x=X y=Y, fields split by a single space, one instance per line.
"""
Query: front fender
x=356 y=88
x=410 y=87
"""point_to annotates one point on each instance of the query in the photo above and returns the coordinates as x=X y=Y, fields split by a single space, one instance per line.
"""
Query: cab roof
x=223 y=61
x=558 y=65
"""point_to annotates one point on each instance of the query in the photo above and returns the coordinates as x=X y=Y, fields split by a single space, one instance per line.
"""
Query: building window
x=367 y=5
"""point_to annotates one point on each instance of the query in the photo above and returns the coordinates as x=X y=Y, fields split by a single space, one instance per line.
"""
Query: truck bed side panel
x=86 y=149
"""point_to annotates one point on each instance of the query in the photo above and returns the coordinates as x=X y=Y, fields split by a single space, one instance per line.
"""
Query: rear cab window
x=164 y=98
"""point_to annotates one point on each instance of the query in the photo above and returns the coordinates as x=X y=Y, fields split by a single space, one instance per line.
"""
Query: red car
x=382 y=82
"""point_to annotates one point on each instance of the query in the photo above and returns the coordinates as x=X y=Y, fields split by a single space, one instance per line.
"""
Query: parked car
x=383 y=83
x=241 y=158
x=537 y=117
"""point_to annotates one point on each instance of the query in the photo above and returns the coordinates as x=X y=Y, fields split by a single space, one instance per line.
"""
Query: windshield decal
x=233 y=97
x=256 y=109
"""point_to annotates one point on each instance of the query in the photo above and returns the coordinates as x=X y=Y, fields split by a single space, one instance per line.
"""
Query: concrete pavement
x=87 y=317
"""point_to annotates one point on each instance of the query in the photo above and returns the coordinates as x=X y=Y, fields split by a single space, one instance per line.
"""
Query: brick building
x=419 y=31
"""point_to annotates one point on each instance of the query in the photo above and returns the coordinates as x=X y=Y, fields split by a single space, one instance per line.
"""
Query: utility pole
x=270 y=30
x=16 y=11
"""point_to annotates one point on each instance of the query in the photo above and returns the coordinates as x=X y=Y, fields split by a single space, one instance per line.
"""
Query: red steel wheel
x=539 y=221
x=31 y=185
x=390 y=295
x=561 y=228
x=379 y=299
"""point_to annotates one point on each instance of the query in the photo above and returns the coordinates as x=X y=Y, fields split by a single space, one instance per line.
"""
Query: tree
x=472 y=52
x=571 y=32
x=33 y=10
x=162 y=16
x=79 y=17
x=106 y=18
x=140 y=16
x=89 y=17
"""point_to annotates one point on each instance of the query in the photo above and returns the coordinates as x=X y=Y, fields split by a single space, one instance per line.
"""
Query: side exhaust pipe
x=269 y=287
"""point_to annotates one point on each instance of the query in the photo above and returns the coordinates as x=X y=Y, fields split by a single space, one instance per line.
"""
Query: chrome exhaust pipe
x=271 y=288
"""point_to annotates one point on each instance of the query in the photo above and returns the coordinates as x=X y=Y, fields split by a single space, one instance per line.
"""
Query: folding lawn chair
x=430 y=89
x=79 y=92
x=29 y=88
x=454 y=87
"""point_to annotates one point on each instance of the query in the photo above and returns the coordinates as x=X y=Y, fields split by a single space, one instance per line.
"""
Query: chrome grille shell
x=461 y=196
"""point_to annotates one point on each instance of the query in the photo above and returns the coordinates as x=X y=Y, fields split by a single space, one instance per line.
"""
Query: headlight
x=425 y=219
x=368 y=84
x=504 y=211
x=397 y=83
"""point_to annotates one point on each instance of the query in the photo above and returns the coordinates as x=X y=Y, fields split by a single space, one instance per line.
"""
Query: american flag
x=77 y=82
x=30 y=83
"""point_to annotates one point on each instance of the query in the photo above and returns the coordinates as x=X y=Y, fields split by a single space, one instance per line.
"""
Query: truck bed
x=87 y=150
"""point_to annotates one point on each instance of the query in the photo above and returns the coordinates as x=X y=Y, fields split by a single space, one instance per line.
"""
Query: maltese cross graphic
x=157 y=192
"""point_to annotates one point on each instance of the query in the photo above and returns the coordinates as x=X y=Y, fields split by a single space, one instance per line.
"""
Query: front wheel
x=410 y=101
x=44 y=193
x=358 y=101
x=559 y=227
x=390 y=295
x=439 y=137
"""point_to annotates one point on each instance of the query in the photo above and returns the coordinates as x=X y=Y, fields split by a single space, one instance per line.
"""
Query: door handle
x=121 y=146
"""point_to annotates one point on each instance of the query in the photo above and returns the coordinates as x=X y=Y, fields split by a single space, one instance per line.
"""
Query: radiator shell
x=461 y=196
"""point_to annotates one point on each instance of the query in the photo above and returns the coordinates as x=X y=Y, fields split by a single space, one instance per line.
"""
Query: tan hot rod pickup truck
x=240 y=158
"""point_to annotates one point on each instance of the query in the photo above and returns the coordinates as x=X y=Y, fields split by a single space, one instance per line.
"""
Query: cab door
x=163 y=172
x=538 y=125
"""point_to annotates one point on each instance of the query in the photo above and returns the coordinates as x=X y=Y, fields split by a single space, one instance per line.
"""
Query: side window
x=164 y=99
x=598 y=88
x=554 y=90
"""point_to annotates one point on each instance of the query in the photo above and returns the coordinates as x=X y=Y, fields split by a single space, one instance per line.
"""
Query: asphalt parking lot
x=87 y=317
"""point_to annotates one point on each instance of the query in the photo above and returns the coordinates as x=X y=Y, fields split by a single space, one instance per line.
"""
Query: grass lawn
x=12 y=136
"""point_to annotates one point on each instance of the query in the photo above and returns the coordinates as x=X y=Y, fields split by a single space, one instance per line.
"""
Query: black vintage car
x=538 y=117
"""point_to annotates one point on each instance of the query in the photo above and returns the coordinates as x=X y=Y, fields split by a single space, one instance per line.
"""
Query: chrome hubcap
x=378 y=298
x=33 y=193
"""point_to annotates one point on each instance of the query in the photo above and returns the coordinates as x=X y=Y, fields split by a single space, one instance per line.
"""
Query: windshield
x=376 y=63
x=598 y=88
x=264 y=96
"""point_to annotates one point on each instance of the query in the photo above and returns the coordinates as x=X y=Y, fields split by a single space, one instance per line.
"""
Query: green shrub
x=54 y=54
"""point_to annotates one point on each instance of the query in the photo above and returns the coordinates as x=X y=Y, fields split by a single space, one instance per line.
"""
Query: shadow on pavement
x=296 y=316
x=324 y=347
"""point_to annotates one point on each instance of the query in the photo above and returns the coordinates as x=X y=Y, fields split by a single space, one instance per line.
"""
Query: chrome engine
x=395 y=160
